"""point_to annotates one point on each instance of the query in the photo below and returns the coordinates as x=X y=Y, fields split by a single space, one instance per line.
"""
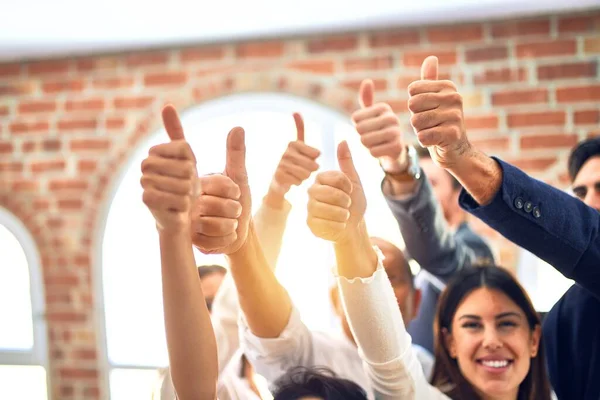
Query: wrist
x=396 y=165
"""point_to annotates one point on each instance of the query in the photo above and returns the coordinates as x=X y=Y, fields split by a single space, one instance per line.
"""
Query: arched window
x=23 y=343
x=130 y=274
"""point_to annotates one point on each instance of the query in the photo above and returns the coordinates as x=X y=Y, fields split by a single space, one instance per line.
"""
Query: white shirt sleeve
x=272 y=357
x=270 y=226
x=384 y=345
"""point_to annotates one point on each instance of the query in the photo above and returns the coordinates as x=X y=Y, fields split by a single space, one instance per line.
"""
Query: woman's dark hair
x=319 y=382
x=446 y=373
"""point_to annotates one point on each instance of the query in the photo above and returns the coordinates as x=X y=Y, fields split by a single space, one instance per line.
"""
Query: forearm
x=265 y=303
x=269 y=225
x=355 y=257
x=187 y=321
x=479 y=174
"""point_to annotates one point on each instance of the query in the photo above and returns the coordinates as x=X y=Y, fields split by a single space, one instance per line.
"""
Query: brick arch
x=334 y=96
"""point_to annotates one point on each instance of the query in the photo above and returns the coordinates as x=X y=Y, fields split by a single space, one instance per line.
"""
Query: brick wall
x=66 y=126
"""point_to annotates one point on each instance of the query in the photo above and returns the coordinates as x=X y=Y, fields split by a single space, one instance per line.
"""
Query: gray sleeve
x=426 y=234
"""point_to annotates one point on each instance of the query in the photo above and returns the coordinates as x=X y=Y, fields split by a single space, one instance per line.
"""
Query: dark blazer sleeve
x=556 y=227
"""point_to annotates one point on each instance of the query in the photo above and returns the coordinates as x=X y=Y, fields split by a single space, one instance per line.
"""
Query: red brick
x=51 y=145
x=78 y=373
x=592 y=45
x=354 y=84
x=579 y=23
x=521 y=28
x=333 y=44
x=368 y=63
x=491 y=144
x=17 y=89
x=394 y=38
x=29 y=127
x=486 y=122
x=96 y=64
x=165 y=79
x=24 y=186
x=115 y=123
x=405 y=81
x=47 y=166
x=416 y=58
x=48 y=68
x=10 y=70
x=455 y=34
x=260 y=50
x=86 y=166
x=586 y=117
x=65 y=389
x=147 y=59
x=536 y=119
x=202 y=54
x=70 y=204
x=82 y=260
x=500 y=75
x=55 y=223
x=29 y=147
x=133 y=102
x=67 y=184
x=534 y=164
x=4 y=111
x=580 y=93
x=6 y=147
x=530 y=142
x=84 y=354
x=547 y=49
x=63 y=279
x=515 y=97
x=90 y=144
x=565 y=71
x=75 y=85
x=96 y=104
x=76 y=124
x=41 y=204
x=91 y=392
x=11 y=166
x=313 y=66
x=123 y=82
x=482 y=54
x=42 y=106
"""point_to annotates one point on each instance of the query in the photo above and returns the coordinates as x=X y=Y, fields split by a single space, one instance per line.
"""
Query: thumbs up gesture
x=437 y=116
x=379 y=130
x=169 y=177
x=337 y=203
x=222 y=212
x=297 y=163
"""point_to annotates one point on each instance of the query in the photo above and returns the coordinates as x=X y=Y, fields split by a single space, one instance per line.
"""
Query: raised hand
x=437 y=115
x=169 y=177
x=337 y=203
x=222 y=213
x=379 y=130
x=297 y=163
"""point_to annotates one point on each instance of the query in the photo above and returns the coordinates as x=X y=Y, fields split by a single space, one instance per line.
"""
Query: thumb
x=346 y=163
x=235 y=164
x=299 y=127
x=365 y=93
x=429 y=69
x=172 y=123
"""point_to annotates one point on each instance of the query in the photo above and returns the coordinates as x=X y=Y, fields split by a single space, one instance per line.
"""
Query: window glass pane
x=15 y=300
x=131 y=261
x=127 y=384
x=23 y=382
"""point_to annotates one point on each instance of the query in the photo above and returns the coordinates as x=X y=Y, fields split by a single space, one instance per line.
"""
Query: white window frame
x=231 y=104
x=38 y=354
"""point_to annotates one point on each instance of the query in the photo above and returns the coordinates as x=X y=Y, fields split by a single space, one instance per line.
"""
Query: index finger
x=299 y=127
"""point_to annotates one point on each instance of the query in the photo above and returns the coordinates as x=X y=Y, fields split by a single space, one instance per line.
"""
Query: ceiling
x=42 y=28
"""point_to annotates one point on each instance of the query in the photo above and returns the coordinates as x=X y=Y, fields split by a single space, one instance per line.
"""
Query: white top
x=269 y=226
x=298 y=346
x=390 y=360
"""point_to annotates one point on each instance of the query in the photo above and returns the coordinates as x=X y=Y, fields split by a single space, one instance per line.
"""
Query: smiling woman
x=130 y=273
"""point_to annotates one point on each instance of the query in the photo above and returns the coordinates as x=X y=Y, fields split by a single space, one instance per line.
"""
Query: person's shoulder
x=479 y=246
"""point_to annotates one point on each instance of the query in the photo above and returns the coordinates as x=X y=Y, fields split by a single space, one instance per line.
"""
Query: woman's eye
x=471 y=325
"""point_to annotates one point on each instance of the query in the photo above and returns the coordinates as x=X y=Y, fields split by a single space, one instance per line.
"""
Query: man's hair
x=318 y=382
x=581 y=153
x=206 y=270
x=402 y=259
x=422 y=152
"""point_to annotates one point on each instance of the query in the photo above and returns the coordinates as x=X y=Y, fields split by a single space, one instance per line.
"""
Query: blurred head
x=444 y=185
x=211 y=277
x=400 y=275
x=584 y=171
x=488 y=339
x=302 y=383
